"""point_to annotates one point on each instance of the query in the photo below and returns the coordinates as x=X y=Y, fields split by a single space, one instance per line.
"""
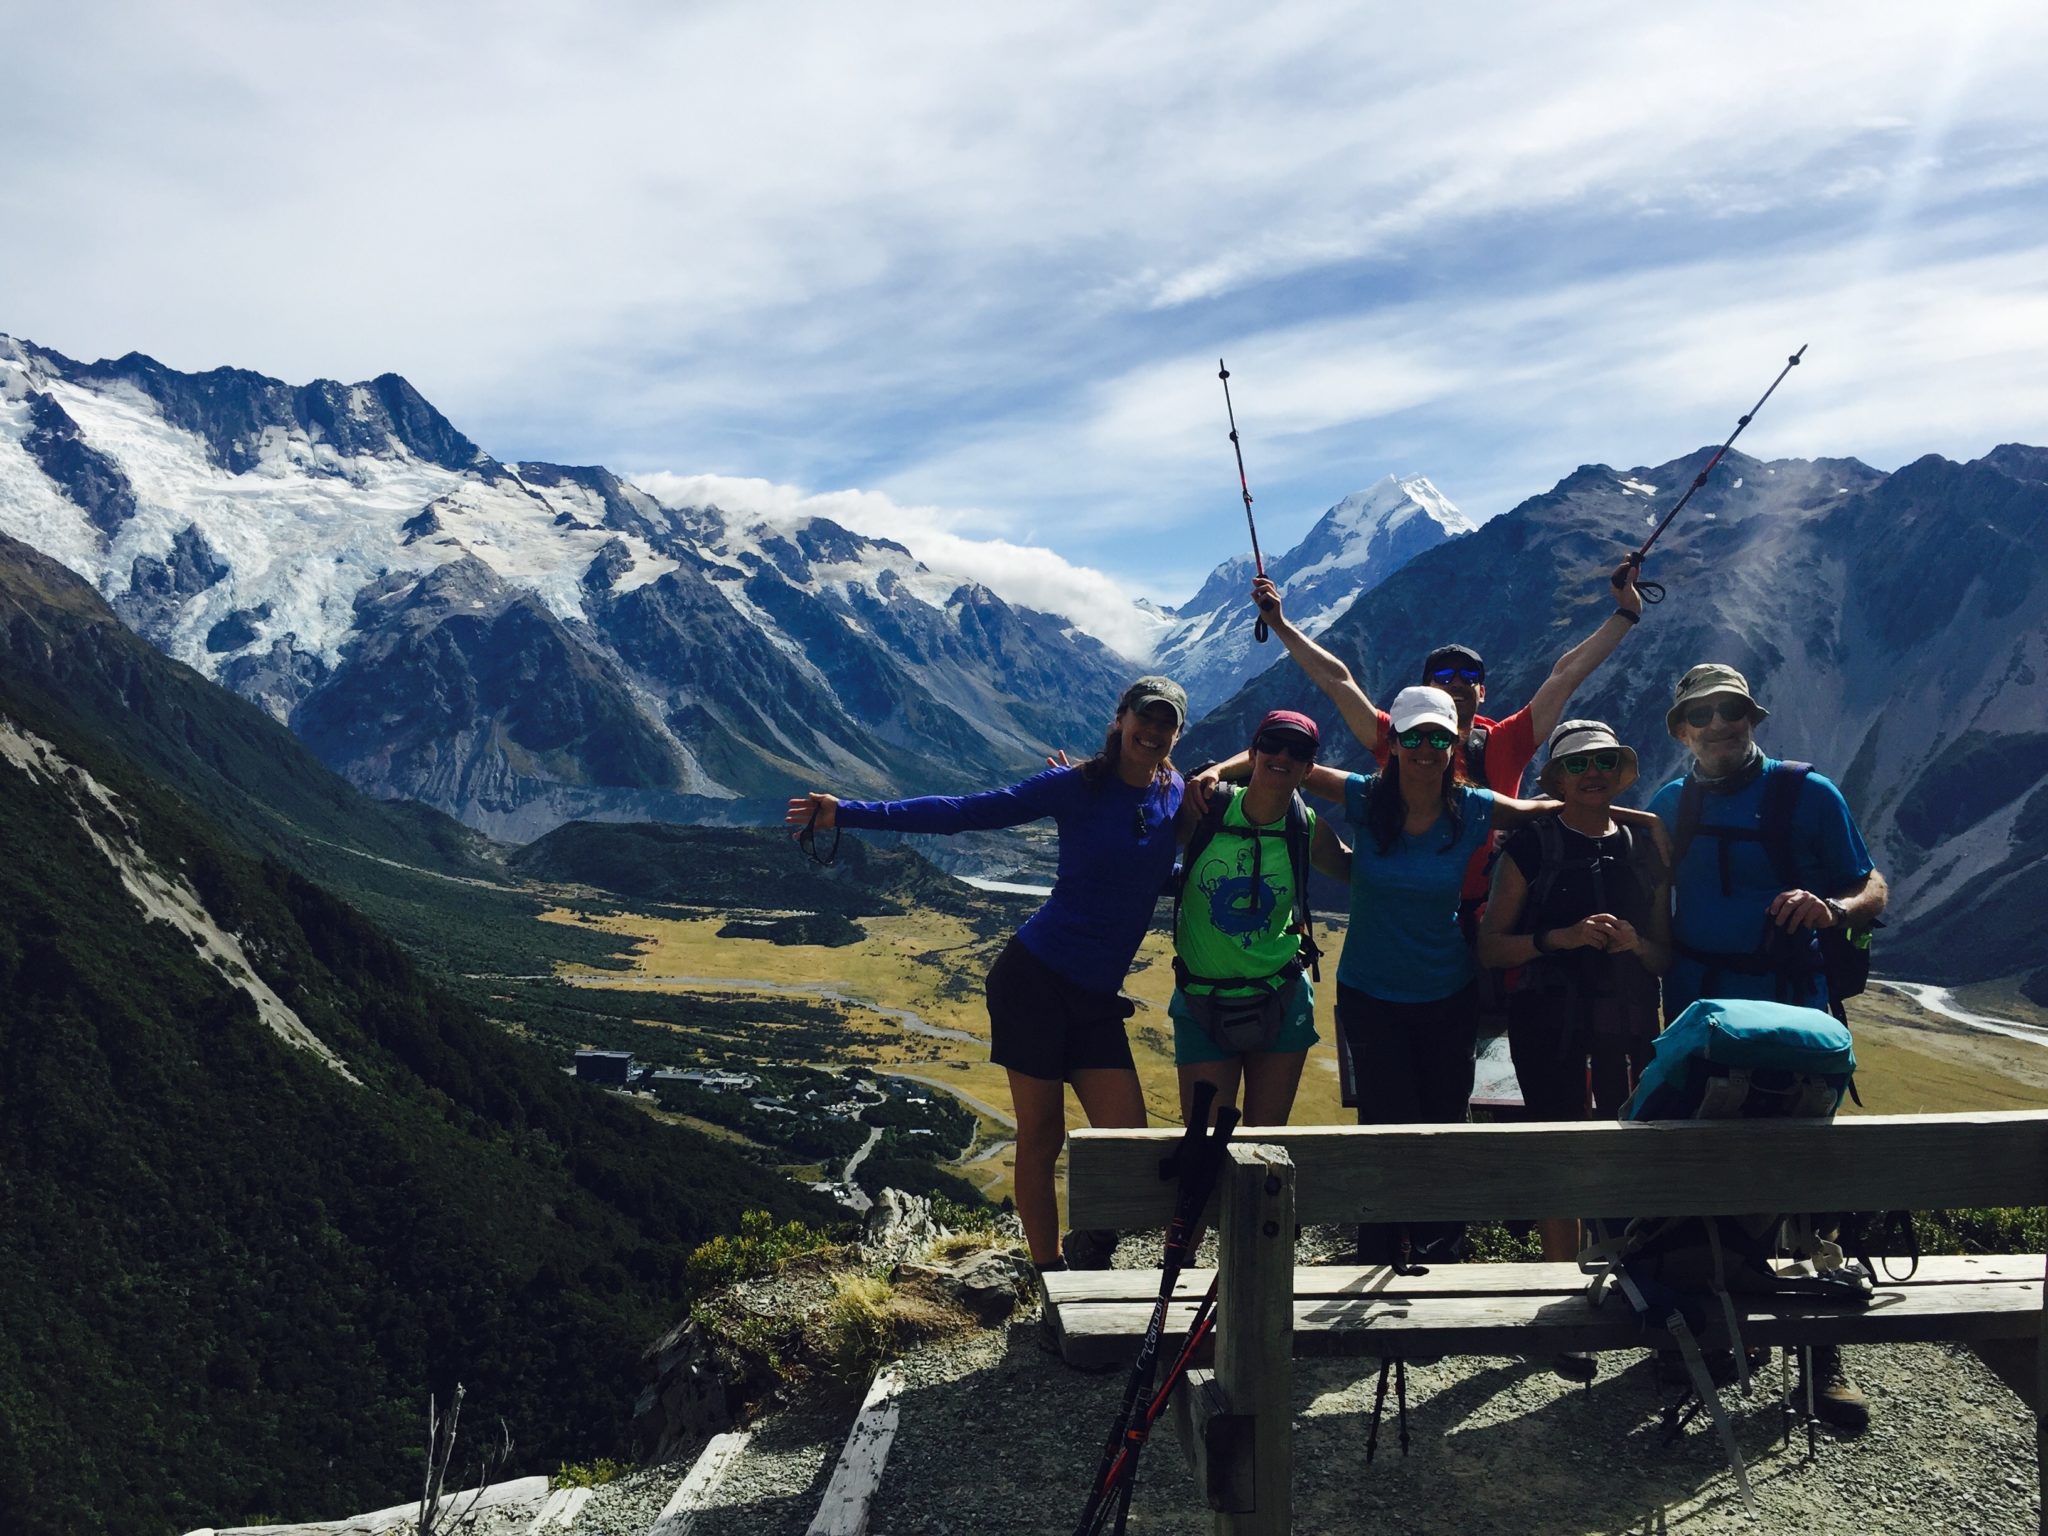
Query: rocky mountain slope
x=1353 y=547
x=267 y=1183
x=1896 y=626
x=517 y=644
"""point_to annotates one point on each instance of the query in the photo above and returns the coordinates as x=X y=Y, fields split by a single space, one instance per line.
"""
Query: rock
x=686 y=1403
x=995 y=1283
x=898 y=1225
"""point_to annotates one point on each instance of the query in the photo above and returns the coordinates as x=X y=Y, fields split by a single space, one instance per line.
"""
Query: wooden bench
x=1236 y=1420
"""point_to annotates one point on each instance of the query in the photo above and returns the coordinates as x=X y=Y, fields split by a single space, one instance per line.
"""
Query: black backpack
x=1844 y=952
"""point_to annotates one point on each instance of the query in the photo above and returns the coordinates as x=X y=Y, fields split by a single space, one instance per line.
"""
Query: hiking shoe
x=1048 y=1332
x=1836 y=1401
x=1089 y=1249
x=1575 y=1365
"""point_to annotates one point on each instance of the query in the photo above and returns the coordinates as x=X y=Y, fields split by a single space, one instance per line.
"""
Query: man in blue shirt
x=1739 y=926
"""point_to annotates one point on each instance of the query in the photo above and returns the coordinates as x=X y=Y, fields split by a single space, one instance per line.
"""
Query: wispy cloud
x=1020 y=573
x=984 y=259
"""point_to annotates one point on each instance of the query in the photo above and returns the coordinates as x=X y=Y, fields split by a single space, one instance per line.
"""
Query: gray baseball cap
x=1156 y=690
x=1705 y=680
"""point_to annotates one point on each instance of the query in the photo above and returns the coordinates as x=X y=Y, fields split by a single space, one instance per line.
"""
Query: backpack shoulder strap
x=1206 y=827
x=1781 y=795
x=1550 y=846
x=1692 y=805
x=1475 y=755
x=1299 y=851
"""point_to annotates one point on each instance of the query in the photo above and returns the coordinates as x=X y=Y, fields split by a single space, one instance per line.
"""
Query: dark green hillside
x=758 y=868
x=231 y=1276
x=60 y=644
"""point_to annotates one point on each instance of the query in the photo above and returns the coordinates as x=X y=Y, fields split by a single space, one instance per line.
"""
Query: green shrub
x=589 y=1474
x=760 y=1247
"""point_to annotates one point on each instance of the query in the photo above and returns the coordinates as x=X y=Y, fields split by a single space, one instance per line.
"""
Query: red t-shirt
x=1510 y=748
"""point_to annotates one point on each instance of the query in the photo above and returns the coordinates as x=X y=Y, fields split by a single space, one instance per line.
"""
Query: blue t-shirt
x=1826 y=847
x=1404 y=945
x=1116 y=851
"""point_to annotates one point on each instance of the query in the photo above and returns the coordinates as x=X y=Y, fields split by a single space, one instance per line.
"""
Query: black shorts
x=1568 y=1072
x=1042 y=1025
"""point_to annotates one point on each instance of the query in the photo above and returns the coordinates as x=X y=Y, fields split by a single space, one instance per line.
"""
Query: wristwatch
x=1837 y=911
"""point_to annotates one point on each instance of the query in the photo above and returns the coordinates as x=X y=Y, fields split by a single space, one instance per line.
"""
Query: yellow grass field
x=1910 y=1061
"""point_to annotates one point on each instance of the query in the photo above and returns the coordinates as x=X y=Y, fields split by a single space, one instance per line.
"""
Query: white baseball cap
x=1423 y=706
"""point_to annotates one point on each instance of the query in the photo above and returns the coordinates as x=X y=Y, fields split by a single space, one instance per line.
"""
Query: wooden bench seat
x=1538 y=1309
x=1237 y=1421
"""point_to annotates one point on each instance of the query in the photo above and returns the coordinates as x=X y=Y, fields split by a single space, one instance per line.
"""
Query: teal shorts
x=1191 y=1042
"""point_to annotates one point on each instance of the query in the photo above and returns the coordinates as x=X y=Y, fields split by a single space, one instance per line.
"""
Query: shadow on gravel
x=779 y=1481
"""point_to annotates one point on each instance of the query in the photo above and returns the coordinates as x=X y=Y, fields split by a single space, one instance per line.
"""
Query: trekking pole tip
x=1793 y=361
x=1224 y=373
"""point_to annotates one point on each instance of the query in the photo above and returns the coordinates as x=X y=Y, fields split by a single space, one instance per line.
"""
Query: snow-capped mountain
x=518 y=644
x=1352 y=548
x=1895 y=625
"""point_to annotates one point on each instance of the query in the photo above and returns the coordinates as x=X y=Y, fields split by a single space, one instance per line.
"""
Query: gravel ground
x=996 y=1436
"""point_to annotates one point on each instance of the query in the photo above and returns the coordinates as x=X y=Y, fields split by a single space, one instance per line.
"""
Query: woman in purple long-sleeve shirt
x=1056 y=1012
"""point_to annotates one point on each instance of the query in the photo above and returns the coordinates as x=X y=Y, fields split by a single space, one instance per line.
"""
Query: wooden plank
x=1216 y=1441
x=1537 y=1324
x=560 y=1511
x=1254 y=1327
x=1690 y=1167
x=1068 y=1287
x=693 y=1493
x=848 y=1497
x=498 y=1496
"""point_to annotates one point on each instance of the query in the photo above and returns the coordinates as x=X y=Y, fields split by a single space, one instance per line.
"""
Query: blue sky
x=962 y=273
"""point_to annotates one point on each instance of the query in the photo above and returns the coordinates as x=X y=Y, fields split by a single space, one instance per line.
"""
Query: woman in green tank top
x=1243 y=1008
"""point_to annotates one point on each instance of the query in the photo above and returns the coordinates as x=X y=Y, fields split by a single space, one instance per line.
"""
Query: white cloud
x=1020 y=573
x=982 y=257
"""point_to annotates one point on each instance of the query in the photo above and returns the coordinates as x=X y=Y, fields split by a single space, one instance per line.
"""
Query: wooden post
x=2041 y=1410
x=1255 y=1328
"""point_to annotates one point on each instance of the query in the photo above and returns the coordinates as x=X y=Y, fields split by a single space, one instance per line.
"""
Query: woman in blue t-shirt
x=1055 y=1007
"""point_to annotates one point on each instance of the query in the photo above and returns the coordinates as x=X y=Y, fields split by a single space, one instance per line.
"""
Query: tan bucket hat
x=1704 y=680
x=1575 y=736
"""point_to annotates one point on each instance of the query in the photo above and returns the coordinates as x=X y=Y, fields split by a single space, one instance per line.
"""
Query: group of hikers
x=1593 y=923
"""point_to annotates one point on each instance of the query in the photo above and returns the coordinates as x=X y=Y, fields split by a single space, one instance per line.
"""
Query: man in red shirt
x=1493 y=753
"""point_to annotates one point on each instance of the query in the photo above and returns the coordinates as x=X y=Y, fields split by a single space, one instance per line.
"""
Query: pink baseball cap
x=1290 y=720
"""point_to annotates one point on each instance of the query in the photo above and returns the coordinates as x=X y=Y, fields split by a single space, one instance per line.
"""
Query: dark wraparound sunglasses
x=1292 y=744
x=1473 y=675
x=1604 y=762
x=1730 y=710
x=1440 y=740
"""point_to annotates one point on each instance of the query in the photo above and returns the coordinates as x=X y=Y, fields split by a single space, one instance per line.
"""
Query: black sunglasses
x=1578 y=762
x=1473 y=675
x=1730 y=710
x=1439 y=739
x=1291 y=743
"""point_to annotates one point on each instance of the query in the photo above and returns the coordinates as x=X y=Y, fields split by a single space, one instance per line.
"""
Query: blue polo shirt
x=1117 y=846
x=1826 y=846
x=1404 y=944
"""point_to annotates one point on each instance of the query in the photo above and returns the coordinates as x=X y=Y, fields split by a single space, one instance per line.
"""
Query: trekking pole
x=1259 y=630
x=1194 y=1164
x=1653 y=592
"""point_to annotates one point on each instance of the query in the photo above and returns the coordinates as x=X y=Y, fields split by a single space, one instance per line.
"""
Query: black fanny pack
x=1245 y=1020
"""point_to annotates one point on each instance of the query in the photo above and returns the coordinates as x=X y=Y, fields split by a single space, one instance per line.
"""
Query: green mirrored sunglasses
x=1578 y=762
x=1438 y=739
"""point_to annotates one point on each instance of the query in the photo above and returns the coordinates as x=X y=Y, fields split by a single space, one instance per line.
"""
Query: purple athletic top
x=1116 y=851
